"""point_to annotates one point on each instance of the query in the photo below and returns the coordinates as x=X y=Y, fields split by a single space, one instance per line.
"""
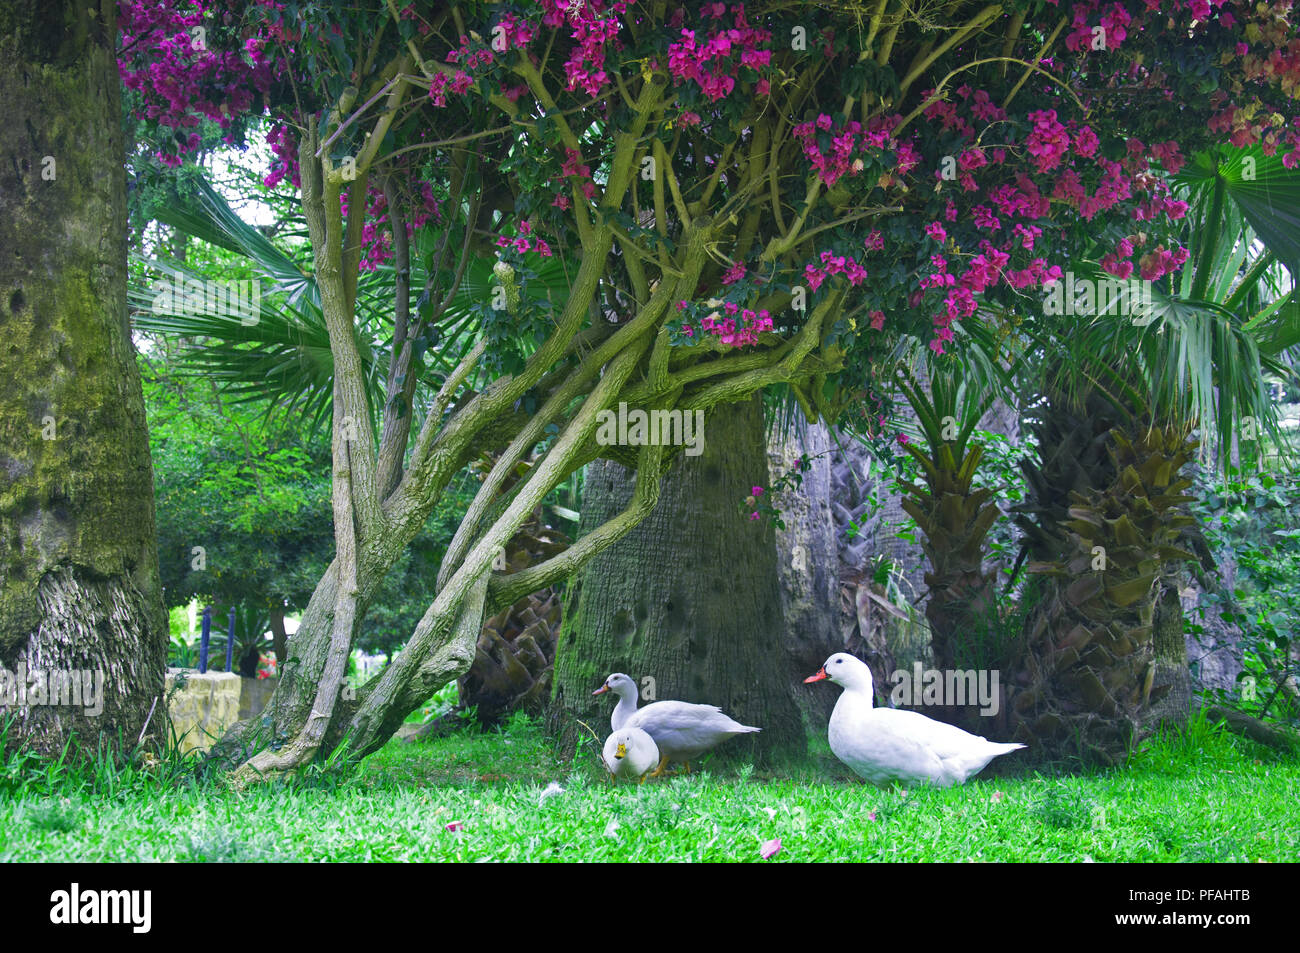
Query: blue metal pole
x=230 y=640
x=203 y=639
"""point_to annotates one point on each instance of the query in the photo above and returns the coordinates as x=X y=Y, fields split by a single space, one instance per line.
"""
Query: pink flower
x=455 y=826
x=770 y=848
x=877 y=320
x=754 y=516
x=871 y=815
x=756 y=491
x=936 y=231
x=461 y=82
x=1048 y=141
x=734 y=273
x=1113 y=265
x=1086 y=142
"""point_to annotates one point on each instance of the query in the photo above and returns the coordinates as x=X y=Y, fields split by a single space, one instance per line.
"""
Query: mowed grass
x=1200 y=795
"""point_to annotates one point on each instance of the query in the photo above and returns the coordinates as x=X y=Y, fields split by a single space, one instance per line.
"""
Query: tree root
x=1250 y=727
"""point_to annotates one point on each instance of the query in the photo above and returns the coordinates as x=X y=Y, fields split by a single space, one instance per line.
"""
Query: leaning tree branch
x=505 y=590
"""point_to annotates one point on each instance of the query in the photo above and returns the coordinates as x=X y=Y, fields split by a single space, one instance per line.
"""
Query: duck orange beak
x=602 y=690
x=821 y=673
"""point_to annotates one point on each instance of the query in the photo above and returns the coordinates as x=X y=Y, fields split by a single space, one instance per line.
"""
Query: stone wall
x=255 y=696
x=201 y=707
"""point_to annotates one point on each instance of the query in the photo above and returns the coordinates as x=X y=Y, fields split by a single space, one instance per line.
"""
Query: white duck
x=630 y=753
x=681 y=730
x=890 y=744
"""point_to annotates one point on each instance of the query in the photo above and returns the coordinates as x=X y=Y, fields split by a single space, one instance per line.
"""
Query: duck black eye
x=838 y=661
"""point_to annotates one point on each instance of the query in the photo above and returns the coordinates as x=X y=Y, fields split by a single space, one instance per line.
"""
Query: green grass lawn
x=1202 y=795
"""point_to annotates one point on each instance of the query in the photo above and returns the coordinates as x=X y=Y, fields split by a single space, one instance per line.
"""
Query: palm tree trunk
x=79 y=588
x=1103 y=659
x=690 y=600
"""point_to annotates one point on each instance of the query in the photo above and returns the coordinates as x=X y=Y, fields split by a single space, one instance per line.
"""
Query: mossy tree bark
x=79 y=586
x=690 y=598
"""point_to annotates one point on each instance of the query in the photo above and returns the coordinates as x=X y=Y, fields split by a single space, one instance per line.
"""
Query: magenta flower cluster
x=525 y=241
x=849 y=144
x=730 y=323
x=712 y=61
x=180 y=78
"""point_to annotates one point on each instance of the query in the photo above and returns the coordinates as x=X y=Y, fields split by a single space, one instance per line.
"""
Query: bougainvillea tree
x=751 y=194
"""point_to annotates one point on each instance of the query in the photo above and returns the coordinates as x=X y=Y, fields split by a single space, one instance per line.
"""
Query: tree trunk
x=1093 y=679
x=1172 y=679
x=690 y=599
x=79 y=588
x=808 y=565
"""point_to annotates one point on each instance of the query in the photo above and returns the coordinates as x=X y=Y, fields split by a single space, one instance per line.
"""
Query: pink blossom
x=1048 y=141
x=1086 y=142
x=769 y=848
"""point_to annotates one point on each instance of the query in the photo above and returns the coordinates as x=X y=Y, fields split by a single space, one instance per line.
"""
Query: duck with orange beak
x=884 y=745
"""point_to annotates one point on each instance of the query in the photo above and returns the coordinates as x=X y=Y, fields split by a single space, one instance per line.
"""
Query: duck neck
x=864 y=692
x=624 y=710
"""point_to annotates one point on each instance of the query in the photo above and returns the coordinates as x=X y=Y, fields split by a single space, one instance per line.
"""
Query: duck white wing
x=878 y=751
x=886 y=744
x=681 y=729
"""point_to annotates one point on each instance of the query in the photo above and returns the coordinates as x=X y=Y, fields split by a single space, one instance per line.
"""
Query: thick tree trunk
x=79 y=589
x=690 y=598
